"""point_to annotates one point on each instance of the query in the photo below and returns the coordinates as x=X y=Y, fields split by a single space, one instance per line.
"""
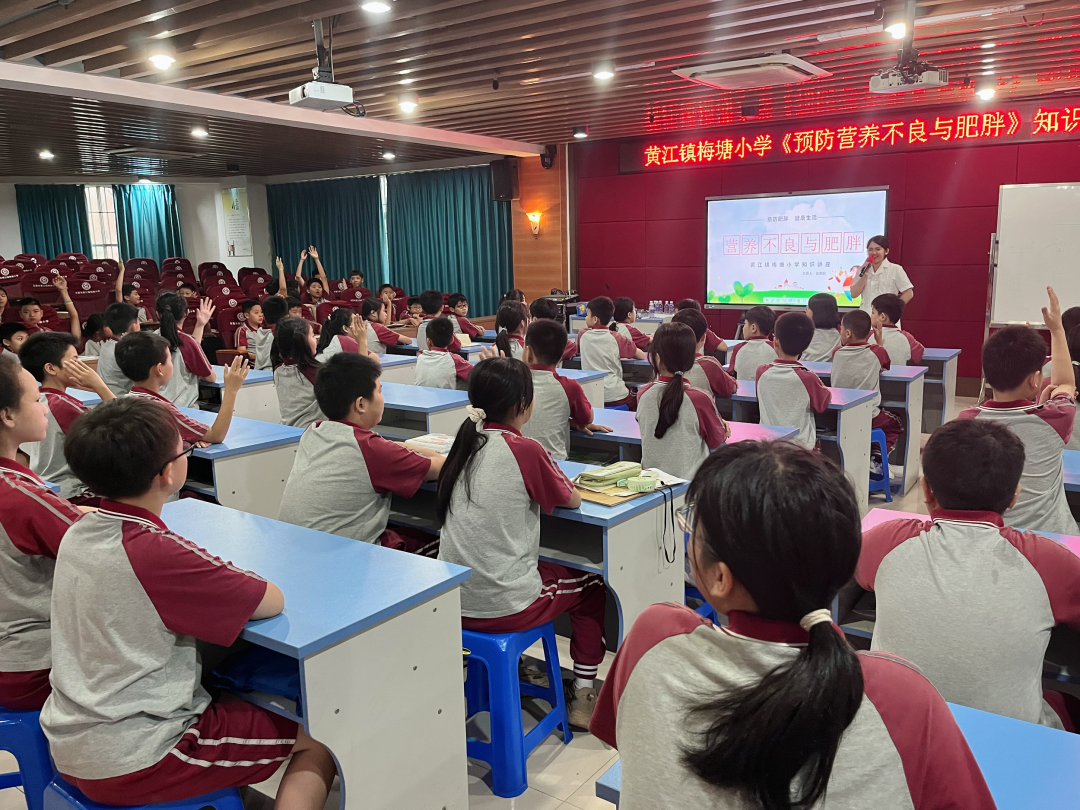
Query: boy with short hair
x=439 y=366
x=187 y=290
x=32 y=314
x=345 y=474
x=377 y=318
x=12 y=337
x=1012 y=361
x=902 y=347
x=757 y=350
x=787 y=393
x=459 y=309
x=708 y=373
x=122 y=319
x=356 y=279
x=388 y=295
x=964 y=596
x=559 y=403
x=415 y=311
x=253 y=336
x=145 y=358
x=604 y=350
x=53 y=360
x=128 y=721
x=547 y=310
x=858 y=364
x=129 y=294
x=431 y=301
x=713 y=343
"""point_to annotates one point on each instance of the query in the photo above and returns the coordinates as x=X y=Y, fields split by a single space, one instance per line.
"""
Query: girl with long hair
x=511 y=322
x=190 y=363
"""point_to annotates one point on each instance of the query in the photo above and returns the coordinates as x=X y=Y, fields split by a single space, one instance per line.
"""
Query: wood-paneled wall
x=540 y=262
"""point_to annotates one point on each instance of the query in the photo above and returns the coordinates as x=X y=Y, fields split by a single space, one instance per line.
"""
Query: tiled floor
x=560 y=776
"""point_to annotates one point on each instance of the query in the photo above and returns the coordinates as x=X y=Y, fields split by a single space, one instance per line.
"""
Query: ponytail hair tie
x=478 y=417
x=679 y=373
x=814 y=617
x=502 y=330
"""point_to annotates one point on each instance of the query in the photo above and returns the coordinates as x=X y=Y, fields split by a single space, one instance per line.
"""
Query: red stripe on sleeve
x=581 y=411
x=462 y=367
x=544 y=481
x=710 y=425
x=879 y=541
x=1059 y=569
x=820 y=396
x=194 y=357
x=721 y=383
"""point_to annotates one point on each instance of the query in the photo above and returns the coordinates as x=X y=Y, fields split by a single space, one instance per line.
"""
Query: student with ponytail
x=343 y=331
x=775 y=710
x=625 y=315
x=376 y=315
x=296 y=366
x=511 y=321
x=679 y=423
x=189 y=360
x=491 y=490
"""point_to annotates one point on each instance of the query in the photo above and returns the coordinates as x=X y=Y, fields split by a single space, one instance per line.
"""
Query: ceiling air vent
x=749 y=74
x=152 y=153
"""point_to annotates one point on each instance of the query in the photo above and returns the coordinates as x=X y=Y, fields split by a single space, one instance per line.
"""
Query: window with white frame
x=101 y=209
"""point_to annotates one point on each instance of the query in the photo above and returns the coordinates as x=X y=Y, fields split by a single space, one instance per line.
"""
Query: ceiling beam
x=57 y=15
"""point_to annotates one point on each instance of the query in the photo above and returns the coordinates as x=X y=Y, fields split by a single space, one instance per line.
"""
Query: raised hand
x=235 y=374
x=487 y=354
x=1052 y=314
x=312 y=252
x=204 y=313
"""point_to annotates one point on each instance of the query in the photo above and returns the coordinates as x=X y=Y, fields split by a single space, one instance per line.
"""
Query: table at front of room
x=249 y=469
x=1025 y=765
x=257 y=397
x=376 y=635
x=636 y=546
x=853 y=411
x=901 y=390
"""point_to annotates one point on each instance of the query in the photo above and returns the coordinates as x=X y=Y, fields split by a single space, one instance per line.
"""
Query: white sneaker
x=896 y=472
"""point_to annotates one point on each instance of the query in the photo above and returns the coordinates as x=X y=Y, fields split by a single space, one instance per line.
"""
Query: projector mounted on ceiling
x=322 y=93
x=772 y=70
x=909 y=73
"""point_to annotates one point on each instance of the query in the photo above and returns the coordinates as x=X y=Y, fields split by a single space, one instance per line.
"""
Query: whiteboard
x=1038 y=225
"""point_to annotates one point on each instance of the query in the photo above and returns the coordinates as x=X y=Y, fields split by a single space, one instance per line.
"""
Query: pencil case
x=611 y=474
x=646 y=482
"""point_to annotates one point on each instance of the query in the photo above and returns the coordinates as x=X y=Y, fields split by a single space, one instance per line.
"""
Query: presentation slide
x=781 y=250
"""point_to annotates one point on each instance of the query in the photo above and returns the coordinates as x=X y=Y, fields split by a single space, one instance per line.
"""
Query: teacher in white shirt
x=879 y=276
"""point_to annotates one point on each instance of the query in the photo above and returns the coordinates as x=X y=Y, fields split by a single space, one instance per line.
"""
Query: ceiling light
x=162 y=61
x=161 y=54
x=408 y=102
x=45 y=154
x=988 y=45
x=407 y=81
x=388 y=155
x=145 y=181
x=603 y=70
x=375 y=7
x=985 y=93
x=897 y=30
x=200 y=132
x=921 y=22
x=581 y=132
x=988 y=61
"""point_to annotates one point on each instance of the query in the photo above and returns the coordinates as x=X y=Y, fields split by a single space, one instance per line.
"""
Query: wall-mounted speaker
x=504 y=179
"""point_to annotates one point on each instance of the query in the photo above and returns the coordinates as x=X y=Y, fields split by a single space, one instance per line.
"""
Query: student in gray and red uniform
x=708 y=373
x=604 y=350
x=128 y=722
x=188 y=358
x=32 y=522
x=437 y=366
x=757 y=349
x=1012 y=361
x=295 y=366
x=789 y=395
x=775 y=710
x=713 y=343
x=679 y=423
x=544 y=309
x=823 y=311
x=968 y=599
x=491 y=490
x=623 y=323
x=903 y=348
x=431 y=302
x=345 y=475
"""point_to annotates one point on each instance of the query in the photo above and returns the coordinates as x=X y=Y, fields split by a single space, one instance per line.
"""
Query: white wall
x=10 y=238
x=198 y=205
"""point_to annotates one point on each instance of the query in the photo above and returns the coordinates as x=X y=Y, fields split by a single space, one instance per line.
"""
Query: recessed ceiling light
x=581 y=132
x=985 y=93
x=897 y=30
x=988 y=45
x=145 y=181
x=45 y=154
x=388 y=155
x=603 y=70
x=162 y=61
x=407 y=81
x=988 y=61
x=989 y=72
x=200 y=132
x=408 y=102
x=375 y=7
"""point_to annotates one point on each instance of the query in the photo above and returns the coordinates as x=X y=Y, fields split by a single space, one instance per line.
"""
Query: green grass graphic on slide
x=745 y=294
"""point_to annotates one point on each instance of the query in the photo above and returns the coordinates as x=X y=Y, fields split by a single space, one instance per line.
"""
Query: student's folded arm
x=273 y=602
x=575 y=499
x=437 y=462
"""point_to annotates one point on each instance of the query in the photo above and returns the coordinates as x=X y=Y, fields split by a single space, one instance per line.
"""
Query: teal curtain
x=445 y=232
x=53 y=219
x=341 y=218
x=147 y=222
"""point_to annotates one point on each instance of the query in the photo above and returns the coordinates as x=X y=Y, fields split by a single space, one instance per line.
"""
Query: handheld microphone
x=865 y=267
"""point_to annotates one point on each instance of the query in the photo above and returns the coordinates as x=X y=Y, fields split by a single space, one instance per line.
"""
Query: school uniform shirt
x=257 y=342
x=902 y=751
x=440 y=368
x=47 y=456
x=296 y=395
x=556 y=401
x=379 y=337
x=189 y=366
x=467 y=327
x=496 y=532
x=32 y=522
x=686 y=444
x=517 y=346
x=749 y=356
x=130 y=598
x=142 y=315
x=631 y=332
x=821 y=346
x=337 y=345
x=859 y=366
x=344 y=478
x=191 y=430
x=708 y=375
x=8 y=355
x=712 y=341
x=971 y=602
x=1045 y=430
x=604 y=350
x=888 y=278
x=788 y=395
x=903 y=348
x=110 y=372
x=92 y=348
x=421 y=335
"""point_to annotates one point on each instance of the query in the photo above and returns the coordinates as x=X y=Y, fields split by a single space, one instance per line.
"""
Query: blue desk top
x=245 y=435
x=386 y=360
x=904 y=374
x=628 y=431
x=87 y=398
x=465 y=351
x=254 y=376
x=402 y=397
x=334 y=587
x=1071 y=462
x=54 y=487
x=581 y=375
x=610 y=515
x=1025 y=765
x=940 y=354
x=842 y=398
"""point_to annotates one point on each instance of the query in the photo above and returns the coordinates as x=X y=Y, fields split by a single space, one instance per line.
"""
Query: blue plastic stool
x=59 y=795
x=705 y=609
x=877 y=436
x=21 y=735
x=492 y=685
